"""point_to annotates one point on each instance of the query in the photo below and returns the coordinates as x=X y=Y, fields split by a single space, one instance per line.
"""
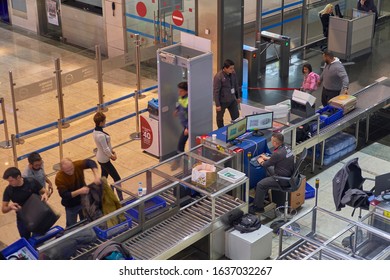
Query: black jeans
x=233 y=110
x=109 y=169
x=23 y=231
x=182 y=142
x=328 y=95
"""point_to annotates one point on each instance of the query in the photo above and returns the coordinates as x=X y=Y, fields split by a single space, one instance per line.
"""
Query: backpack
x=248 y=223
x=316 y=78
x=111 y=250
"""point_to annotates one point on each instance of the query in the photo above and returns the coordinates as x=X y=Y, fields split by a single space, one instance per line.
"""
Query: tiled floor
x=31 y=60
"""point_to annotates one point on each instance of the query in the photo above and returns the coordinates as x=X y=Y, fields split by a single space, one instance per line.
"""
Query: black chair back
x=296 y=179
x=338 y=11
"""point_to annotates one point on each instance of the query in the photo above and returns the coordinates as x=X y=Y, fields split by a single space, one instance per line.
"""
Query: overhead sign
x=177 y=18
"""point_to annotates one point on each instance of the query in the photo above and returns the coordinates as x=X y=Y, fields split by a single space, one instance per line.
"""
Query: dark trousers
x=182 y=142
x=328 y=95
x=109 y=169
x=264 y=185
x=233 y=110
x=23 y=232
x=72 y=213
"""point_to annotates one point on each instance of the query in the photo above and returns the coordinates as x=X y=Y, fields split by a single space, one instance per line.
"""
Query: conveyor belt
x=369 y=100
x=189 y=225
x=84 y=251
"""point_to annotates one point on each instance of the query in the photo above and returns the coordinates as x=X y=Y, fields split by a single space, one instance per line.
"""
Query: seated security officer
x=280 y=163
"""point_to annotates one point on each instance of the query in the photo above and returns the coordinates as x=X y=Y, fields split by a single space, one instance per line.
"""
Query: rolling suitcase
x=345 y=102
x=37 y=215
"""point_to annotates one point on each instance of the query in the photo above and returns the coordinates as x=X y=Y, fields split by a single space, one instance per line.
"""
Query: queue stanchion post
x=137 y=135
x=60 y=95
x=99 y=74
x=57 y=166
x=5 y=144
x=14 y=109
x=14 y=151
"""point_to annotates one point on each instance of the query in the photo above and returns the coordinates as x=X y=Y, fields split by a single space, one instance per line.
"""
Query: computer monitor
x=259 y=121
x=382 y=183
x=235 y=130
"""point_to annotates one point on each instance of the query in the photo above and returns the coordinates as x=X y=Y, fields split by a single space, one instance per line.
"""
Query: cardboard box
x=204 y=175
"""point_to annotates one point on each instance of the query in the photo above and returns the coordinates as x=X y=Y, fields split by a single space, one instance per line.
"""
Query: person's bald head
x=67 y=166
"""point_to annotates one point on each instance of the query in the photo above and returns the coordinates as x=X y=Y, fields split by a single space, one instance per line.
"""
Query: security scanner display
x=156 y=225
x=259 y=122
x=235 y=130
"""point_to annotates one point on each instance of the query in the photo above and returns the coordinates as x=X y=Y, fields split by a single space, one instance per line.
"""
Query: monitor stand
x=258 y=133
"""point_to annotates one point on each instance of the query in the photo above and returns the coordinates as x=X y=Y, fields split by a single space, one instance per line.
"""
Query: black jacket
x=222 y=88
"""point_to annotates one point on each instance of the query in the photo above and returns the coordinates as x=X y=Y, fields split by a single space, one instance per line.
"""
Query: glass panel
x=383 y=7
x=19 y=5
x=147 y=20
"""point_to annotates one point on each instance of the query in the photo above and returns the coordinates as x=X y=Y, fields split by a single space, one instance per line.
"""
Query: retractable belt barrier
x=6 y=143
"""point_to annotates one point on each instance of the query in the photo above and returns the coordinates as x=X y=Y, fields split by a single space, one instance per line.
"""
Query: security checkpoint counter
x=249 y=147
x=171 y=227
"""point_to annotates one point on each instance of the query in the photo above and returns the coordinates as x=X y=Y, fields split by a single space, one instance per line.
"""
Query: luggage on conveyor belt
x=345 y=102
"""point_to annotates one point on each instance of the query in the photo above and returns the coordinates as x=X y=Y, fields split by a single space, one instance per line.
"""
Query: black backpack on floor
x=247 y=223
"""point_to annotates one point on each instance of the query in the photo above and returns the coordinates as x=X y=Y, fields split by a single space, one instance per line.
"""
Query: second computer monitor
x=235 y=130
x=259 y=121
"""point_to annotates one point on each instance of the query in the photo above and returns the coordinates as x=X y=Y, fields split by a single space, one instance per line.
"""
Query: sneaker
x=255 y=210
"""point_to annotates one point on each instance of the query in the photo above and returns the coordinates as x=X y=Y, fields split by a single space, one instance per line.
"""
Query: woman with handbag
x=105 y=153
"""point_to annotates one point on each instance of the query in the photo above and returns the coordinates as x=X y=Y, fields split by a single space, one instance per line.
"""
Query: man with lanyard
x=280 y=163
x=226 y=92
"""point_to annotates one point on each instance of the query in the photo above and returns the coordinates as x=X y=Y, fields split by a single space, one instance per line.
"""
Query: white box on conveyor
x=303 y=97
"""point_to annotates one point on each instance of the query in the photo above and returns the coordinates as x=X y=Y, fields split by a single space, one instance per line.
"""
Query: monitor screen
x=235 y=130
x=259 y=121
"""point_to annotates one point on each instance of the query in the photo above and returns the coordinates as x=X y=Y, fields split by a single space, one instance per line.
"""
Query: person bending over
x=71 y=184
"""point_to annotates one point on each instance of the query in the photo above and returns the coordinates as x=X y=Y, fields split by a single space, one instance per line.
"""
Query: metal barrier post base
x=135 y=136
x=101 y=108
x=140 y=95
x=5 y=144
x=64 y=125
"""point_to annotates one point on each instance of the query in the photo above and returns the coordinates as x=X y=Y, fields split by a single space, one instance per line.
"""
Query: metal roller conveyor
x=177 y=229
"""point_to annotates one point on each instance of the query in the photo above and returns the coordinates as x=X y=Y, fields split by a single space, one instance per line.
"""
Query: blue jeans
x=71 y=215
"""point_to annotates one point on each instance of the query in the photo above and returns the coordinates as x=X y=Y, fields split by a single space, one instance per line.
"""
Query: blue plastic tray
x=151 y=205
x=38 y=239
x=110 y=232
x=21 y=250
x=310 y=192
x=327 y=120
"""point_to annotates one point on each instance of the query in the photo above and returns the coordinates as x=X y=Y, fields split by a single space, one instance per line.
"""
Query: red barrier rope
x=271 y=88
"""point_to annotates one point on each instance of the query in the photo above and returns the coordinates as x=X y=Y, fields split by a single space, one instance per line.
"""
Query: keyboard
x=254 y=161
x=245 y=135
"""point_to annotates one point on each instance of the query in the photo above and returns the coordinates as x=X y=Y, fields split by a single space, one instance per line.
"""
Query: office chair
x=295 y=182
